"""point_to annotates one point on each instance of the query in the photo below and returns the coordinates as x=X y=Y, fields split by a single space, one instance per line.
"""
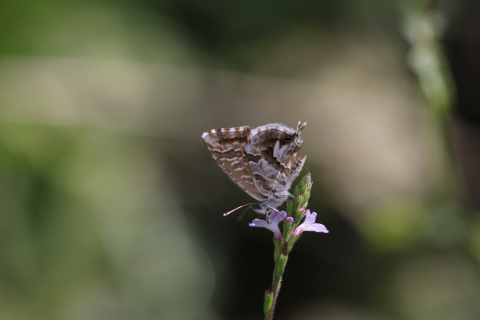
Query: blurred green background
x=111 y=205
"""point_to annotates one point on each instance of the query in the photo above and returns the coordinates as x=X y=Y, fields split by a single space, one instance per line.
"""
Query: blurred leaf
x=395 y=225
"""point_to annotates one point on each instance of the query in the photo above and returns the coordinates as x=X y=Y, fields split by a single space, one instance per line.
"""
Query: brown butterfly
x=262 y=161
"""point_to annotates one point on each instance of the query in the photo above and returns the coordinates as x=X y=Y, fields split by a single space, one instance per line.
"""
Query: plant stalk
x=277 y=281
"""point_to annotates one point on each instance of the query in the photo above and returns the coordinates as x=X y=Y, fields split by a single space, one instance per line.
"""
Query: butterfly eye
x=288 y=138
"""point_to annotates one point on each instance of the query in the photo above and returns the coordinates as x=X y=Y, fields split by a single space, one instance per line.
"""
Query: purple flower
x=310 y=225
x=275 y=218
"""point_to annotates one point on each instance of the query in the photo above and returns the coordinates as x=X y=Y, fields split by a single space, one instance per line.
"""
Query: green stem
x=285 y=245
x=278 y=272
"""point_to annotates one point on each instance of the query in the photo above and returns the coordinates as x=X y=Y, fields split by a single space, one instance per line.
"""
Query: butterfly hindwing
x=271 y=154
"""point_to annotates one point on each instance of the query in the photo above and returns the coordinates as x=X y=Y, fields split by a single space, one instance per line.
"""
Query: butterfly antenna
x=227 y=213
x=300 y=127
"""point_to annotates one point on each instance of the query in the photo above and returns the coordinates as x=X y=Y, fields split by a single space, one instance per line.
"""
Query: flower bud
x=297 y=190
x=290 y=203
x=278 y=243
x=297 y=204
x=268 y=301
x=304 y=204
x=282 y=262
x=288 y=226
x=293 y=239
x=300 y=214
x=305 y=185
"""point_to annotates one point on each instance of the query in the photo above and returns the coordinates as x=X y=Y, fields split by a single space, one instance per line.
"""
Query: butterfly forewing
x=227 y=148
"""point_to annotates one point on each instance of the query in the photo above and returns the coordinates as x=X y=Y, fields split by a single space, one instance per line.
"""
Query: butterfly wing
x=271 y=153
x=227 y=147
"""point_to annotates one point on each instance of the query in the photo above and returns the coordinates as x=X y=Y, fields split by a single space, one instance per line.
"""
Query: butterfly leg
x=269 y=210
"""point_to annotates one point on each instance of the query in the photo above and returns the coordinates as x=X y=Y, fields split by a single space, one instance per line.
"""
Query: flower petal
x=259 y=223
x=317 y=227
x=271 y=224
x=277 y=217
x=310 y=225
x=310 y=218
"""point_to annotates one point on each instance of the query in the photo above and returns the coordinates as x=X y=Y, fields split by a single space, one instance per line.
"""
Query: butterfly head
x=295 y=136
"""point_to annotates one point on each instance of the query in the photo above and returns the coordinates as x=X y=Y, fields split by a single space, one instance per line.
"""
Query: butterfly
x=262 y=161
